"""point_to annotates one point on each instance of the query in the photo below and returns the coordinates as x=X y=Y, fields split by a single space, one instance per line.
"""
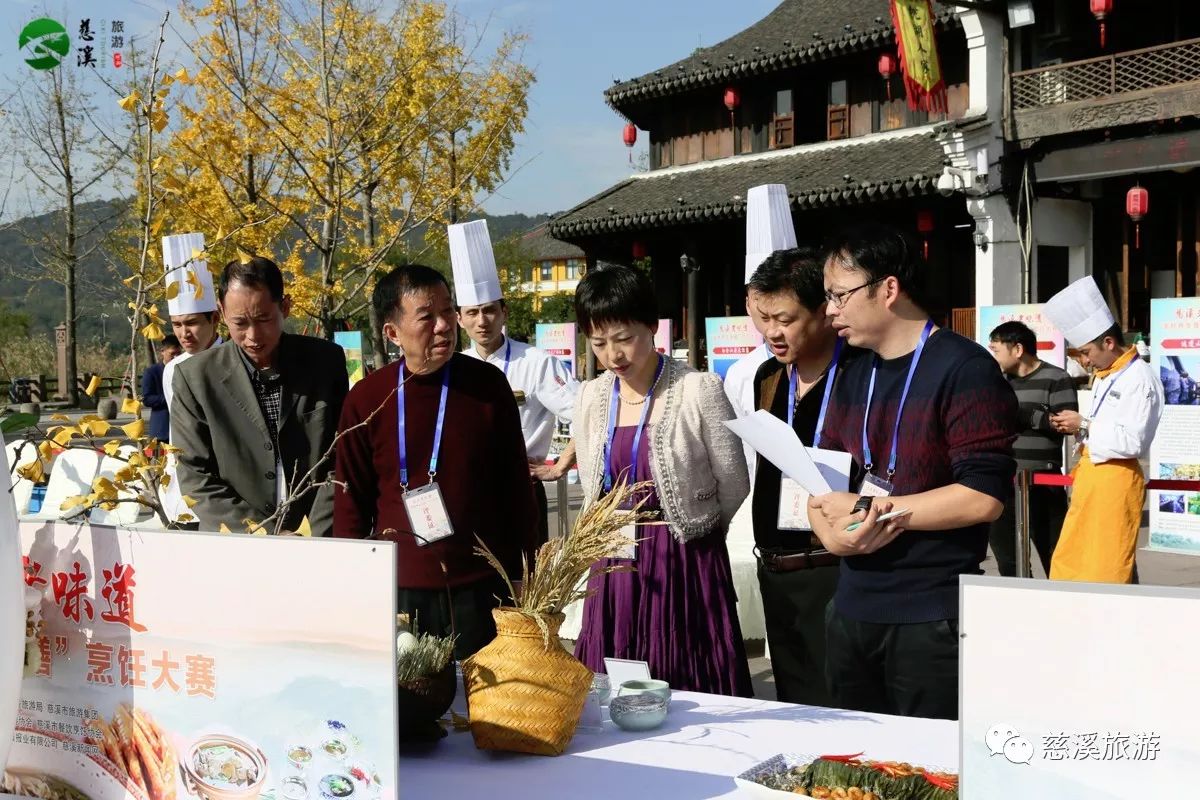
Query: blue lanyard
x=793 y=384
x=507 y=354
x=614 y=411
x=1097 y=404
x=912 y=369
x=437 y=433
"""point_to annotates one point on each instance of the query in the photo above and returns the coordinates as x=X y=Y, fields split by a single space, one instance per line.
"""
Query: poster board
x=557 y=339
x=160 y=651
x=1077 y=689
x=727 y=339
x=352 y=343
x=1175 y=450
x=662 y=337
x=1051 y=346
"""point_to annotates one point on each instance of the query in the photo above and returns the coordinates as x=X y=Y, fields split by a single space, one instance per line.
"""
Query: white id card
x=427 y=513
x=629 y=531
x=793 y=506
x=875 y=487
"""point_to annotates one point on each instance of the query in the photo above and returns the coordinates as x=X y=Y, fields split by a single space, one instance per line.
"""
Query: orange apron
x=1099 y=535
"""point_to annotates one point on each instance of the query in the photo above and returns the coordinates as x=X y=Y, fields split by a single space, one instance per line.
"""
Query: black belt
x=791 y=562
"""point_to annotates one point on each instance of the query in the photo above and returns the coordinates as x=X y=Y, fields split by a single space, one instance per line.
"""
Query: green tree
x=558 y=307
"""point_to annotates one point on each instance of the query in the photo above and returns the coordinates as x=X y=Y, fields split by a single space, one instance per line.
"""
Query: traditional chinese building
x=554 y=266
x=1096 y=108
x=811 y=97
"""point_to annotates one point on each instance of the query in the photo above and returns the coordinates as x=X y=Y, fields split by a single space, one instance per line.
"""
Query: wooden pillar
x=589 y=369
x=1125 y=277
x=691 y=270
x=1179 y=244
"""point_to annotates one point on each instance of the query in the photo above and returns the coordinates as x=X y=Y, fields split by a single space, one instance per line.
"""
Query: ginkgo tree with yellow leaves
x=327 y=131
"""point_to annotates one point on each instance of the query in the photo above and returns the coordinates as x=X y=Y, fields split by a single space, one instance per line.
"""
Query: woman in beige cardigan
x=651 y=419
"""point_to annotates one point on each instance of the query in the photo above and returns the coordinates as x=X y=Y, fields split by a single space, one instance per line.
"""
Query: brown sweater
x=482 y=471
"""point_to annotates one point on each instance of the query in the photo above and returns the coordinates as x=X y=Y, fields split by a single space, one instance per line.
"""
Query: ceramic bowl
x=637 y=712
x=660 y=689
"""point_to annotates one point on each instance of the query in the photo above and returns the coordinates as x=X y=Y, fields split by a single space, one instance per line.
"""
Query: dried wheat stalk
x=561 y=564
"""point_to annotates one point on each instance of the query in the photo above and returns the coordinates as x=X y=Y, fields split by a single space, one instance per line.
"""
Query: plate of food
x=75 y=776
x=846 y=777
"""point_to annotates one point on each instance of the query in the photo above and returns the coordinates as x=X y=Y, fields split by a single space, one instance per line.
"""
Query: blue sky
x=572 y=145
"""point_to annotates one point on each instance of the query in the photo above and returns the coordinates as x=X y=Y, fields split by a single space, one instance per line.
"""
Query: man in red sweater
x=433 y=456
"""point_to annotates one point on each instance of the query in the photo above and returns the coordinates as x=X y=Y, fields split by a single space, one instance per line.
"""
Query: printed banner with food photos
x=1175 y=451
x=172 y=666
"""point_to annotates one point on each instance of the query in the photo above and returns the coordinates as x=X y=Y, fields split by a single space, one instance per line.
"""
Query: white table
x=706 y=741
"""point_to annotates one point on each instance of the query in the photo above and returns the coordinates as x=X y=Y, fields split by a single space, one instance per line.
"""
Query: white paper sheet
x=818 y=471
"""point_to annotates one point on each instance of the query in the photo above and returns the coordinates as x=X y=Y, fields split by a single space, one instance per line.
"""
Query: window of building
x=527 y=273
x=574 y=268
x=547 y=273
x=838 y=116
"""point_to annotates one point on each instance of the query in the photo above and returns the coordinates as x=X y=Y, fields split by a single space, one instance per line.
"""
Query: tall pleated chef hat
x=768 y=224
x=1079 y=311
x=195 y=296
x=475 y=278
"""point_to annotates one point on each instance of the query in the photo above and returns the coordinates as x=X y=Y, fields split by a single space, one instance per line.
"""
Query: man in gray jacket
x=252 y=420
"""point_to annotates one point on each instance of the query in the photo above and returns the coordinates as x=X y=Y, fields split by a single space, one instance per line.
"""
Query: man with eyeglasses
x=929 y=421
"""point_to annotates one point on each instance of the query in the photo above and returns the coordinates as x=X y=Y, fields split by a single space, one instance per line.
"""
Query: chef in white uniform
x=544 y=387
x=768 y=228
x=1099 y=535
x=194 y=320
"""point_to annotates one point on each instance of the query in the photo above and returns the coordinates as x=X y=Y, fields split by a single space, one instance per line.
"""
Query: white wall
x=1064 y=223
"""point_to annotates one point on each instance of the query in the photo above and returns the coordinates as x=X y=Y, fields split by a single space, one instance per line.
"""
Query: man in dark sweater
x=467 y=474
x=1042 y=389
x=796 y=574
x=929 y=421
x=153 y=396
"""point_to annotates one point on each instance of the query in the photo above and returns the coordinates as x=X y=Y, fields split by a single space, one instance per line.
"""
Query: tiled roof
x=541 y=246
x=796 y=32
x=898 y=164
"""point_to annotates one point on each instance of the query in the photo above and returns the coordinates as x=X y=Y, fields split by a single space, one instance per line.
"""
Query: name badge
x=875 y=487
x=427 y=513
x=1115 y=394
x=629 y=532
x=793 y=506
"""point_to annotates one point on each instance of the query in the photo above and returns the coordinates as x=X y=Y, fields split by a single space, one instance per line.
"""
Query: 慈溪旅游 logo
x=44 y=43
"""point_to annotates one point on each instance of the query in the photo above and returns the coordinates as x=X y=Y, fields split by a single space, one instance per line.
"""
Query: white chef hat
x=768 y=224
x=1080 y=312
x=194 y=297
x=475 y=279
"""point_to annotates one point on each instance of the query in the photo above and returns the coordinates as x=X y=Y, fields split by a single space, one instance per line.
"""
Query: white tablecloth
x=706 y=741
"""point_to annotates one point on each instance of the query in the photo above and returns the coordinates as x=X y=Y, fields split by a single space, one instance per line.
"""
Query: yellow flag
x=915 y=40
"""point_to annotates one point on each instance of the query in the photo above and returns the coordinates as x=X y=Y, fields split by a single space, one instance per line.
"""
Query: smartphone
x=882 y=518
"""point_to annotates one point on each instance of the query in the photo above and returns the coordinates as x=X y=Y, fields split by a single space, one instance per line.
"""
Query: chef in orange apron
x=1114 y=431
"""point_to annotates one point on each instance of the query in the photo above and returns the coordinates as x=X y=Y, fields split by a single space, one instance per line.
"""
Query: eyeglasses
x=839 y=299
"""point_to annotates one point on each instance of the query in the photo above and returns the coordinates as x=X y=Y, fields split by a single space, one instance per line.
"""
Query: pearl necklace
x=649 y=394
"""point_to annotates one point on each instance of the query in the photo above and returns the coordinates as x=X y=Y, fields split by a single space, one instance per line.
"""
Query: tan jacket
x=697 y=463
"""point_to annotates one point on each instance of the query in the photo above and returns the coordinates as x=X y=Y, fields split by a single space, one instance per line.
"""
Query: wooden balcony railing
x=1132 y=71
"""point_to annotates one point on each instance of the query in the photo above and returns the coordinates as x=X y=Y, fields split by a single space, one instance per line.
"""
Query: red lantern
x=887 y=68
x=732 y=98
x=630 y=138
x=1137 y=205
x=925 y=227
x=639 y=251
x=1100 y=10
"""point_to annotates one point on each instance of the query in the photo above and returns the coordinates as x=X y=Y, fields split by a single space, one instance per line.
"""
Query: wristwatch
x=1084 y=425
x=863 y=504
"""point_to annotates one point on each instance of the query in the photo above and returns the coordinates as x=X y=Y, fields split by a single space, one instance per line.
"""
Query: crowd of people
x=860 y=588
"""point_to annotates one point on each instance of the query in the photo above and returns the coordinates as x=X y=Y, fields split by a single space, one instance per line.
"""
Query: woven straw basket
x=522 y=696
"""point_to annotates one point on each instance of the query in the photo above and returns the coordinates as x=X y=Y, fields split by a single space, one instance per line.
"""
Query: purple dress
x=677 y=612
